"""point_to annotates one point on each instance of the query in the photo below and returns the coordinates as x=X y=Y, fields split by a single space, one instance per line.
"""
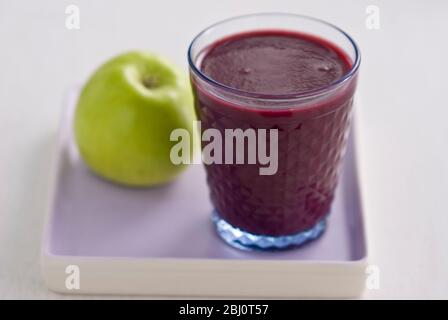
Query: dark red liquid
x=311 y=137
x=274 y=63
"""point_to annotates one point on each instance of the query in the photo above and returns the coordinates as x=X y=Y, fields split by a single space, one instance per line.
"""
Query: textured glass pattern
x=244 y=240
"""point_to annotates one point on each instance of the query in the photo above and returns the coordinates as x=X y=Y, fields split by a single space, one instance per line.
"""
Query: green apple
x=125 y=115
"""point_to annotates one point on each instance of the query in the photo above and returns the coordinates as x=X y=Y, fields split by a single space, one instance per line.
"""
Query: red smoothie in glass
x=311 y=136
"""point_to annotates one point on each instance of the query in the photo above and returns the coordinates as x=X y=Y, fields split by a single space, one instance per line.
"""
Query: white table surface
x=403 y=120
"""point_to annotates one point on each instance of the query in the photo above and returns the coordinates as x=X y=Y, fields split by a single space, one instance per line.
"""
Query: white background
x=403 y=120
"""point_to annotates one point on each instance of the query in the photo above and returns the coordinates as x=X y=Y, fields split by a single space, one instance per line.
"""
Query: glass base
x=248 y=241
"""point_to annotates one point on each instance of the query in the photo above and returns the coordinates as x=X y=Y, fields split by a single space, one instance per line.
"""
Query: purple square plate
x=160 y=241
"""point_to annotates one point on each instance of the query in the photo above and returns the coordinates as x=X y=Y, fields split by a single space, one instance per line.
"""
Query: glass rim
x=267 y=96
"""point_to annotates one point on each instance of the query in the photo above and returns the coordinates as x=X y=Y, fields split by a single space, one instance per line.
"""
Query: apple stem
x=150 y=82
